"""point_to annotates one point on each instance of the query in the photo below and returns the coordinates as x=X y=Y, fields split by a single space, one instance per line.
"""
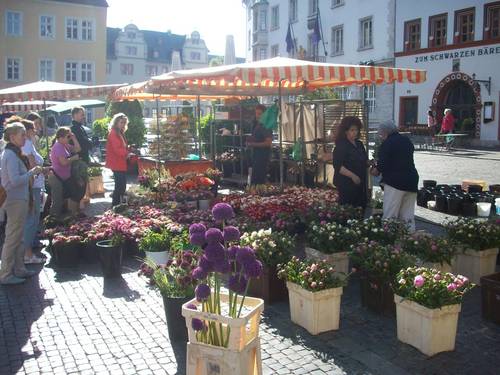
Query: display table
x=175 y=166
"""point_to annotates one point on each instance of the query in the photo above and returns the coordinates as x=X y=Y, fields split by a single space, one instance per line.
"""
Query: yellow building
x=54 y=40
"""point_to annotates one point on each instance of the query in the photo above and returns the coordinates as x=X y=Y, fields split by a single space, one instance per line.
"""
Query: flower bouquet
x=427 y=305
x=314 y=290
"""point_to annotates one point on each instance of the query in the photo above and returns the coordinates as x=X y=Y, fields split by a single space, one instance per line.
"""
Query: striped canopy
x=47 y=90
x=34 y=105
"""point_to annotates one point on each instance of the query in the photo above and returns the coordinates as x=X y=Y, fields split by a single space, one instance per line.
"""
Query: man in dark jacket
x=399 y=175
x=78 y=116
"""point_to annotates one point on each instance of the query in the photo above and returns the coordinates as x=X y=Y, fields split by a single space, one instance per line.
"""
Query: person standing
x=15 y=177
x=116 y=155
x=431 y=123
x=448 y=124
x=350 y=163
x=399 y=175
x=78 y=118
x=261 y=143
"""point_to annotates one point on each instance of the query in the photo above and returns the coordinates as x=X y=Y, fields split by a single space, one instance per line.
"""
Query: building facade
x=458 y=43
x=351 y=32
x=53 y=40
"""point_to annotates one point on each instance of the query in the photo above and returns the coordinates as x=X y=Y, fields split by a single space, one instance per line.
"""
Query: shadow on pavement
x=118 y=288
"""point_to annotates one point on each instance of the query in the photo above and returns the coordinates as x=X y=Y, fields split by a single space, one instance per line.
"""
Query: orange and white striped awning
x=34 y=105
x=47 y=90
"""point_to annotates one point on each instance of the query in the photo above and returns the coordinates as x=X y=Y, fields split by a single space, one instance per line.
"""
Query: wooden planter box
x=490 y=295
x=96 y=185
x=268 y=286
x=443 y=267
x=377 y=296
x=340 y=260
x=315 y=311
x=431 y=331
x=475 y=264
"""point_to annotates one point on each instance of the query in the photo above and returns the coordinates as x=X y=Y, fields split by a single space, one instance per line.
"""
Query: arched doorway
x=461 y=94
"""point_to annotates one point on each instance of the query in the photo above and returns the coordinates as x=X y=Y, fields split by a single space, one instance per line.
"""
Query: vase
x=317 y=312
x=340 y=259
x=159 y=257
x=475 y=264
x=111 y=258
x=490 y=297
x=242 y=354
x=268 y=286
x=431 y=331
x=176 y=324
x=377 y=296
x=66 y=255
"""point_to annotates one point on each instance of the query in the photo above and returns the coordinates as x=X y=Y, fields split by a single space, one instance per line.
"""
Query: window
x=262 y=54
x=337 y=3
x=131 y=35
x=163 y=111
x=275 y=17
x=13 y=23
x=370 y=98
x=70 y=73
x=313 y=7
x=46 y=70
x=86 y=72
x=127 y=69
x=151 y=70
x=492 y=21
x=292 y=11
x=464 y=26
x=195 y=55
x=262 y=20
x=275 y=50
x=47 y=27
x=89 y=116
x=108 y=68
x=153 y=112
x=343 y=93
x=337 y=40
x=87 y=30
x=312 y=46
x=146 y=112
x=164 y=69
x=13 y=69
x=366 y=33
x=437 y=30
x=412 y=35
x=72 y=28
x=131 y=50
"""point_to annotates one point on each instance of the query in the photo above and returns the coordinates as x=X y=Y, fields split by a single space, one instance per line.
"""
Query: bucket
x=497 y=205
x=483 y=209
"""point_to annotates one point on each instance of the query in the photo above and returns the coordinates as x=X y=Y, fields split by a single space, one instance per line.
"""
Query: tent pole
x=366 y=111
x=45 y=126
x=280 y=133
x=198 y=130
x=158 y=162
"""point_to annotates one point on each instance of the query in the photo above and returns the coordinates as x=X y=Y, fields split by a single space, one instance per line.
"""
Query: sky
x=213 y=19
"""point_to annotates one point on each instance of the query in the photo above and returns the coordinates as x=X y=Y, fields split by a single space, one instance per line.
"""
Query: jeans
x=120 y=187
x=33 y=219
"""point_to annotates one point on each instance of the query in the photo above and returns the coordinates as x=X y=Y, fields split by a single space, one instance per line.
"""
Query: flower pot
x=227 y=169
x=131 y=248
x=475 y=189
x=204 y=204
x=483 y=209
x=431 y=331
x=441 y=203
x=469 y=208
x=454 y=205
x=430 y=183
x=111 y=258
x=176 y=324
x=315 y=311
x=340 y=260
x=159 y=257
x=191 y=205
x=89 y=252
x=377 y=296
x=268 y=286
x=475 y=264
x=66 y=255
x=96 y=185
x=495 y=188
x=490 y=295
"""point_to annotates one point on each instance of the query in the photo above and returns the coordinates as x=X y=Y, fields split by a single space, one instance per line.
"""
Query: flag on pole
x=316 y=37
x=290 y=44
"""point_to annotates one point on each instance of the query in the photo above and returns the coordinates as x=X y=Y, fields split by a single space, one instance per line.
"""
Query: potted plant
x=331 y=242
x=384 y=231
x=379 y=265
x=110 y=255
x=479 y=247
x=314 y=291
x=428 y=302
x=223 y=327
x=176 y=286
x=431 y=252
x=66 y=249
x=156 y=246
x=272 y=248
x=96 y=185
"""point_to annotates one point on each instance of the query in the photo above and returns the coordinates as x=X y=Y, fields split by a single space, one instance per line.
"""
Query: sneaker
x=12 y=280
x=27 y=273
x=33 y=260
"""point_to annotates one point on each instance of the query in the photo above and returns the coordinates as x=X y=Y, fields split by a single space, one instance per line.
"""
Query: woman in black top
x=350 y=162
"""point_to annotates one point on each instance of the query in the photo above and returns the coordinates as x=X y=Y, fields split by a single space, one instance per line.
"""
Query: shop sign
x=464 y=53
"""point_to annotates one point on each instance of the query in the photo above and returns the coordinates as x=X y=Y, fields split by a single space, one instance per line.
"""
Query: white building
x=353 y=31
x=458 y=43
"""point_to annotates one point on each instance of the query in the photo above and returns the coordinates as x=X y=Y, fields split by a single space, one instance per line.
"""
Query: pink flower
x=437 y=277
x=451 y=287
x=418 y=281
x=313 y=284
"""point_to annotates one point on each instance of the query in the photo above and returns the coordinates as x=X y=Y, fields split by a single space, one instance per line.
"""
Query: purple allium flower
x=253 y=269
x=204 y=263
x=191 y=306
x=197 y=324
x=199 y=273
x=222 y=211
x=215 y=252
x=245 y=255
x=213 y=236
x=237 y=283
x=202 y=292
x=231 y=234
x=197 y=228
x=232 y=251
x=222 y=266
x=418 y=281
x=197 y=238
